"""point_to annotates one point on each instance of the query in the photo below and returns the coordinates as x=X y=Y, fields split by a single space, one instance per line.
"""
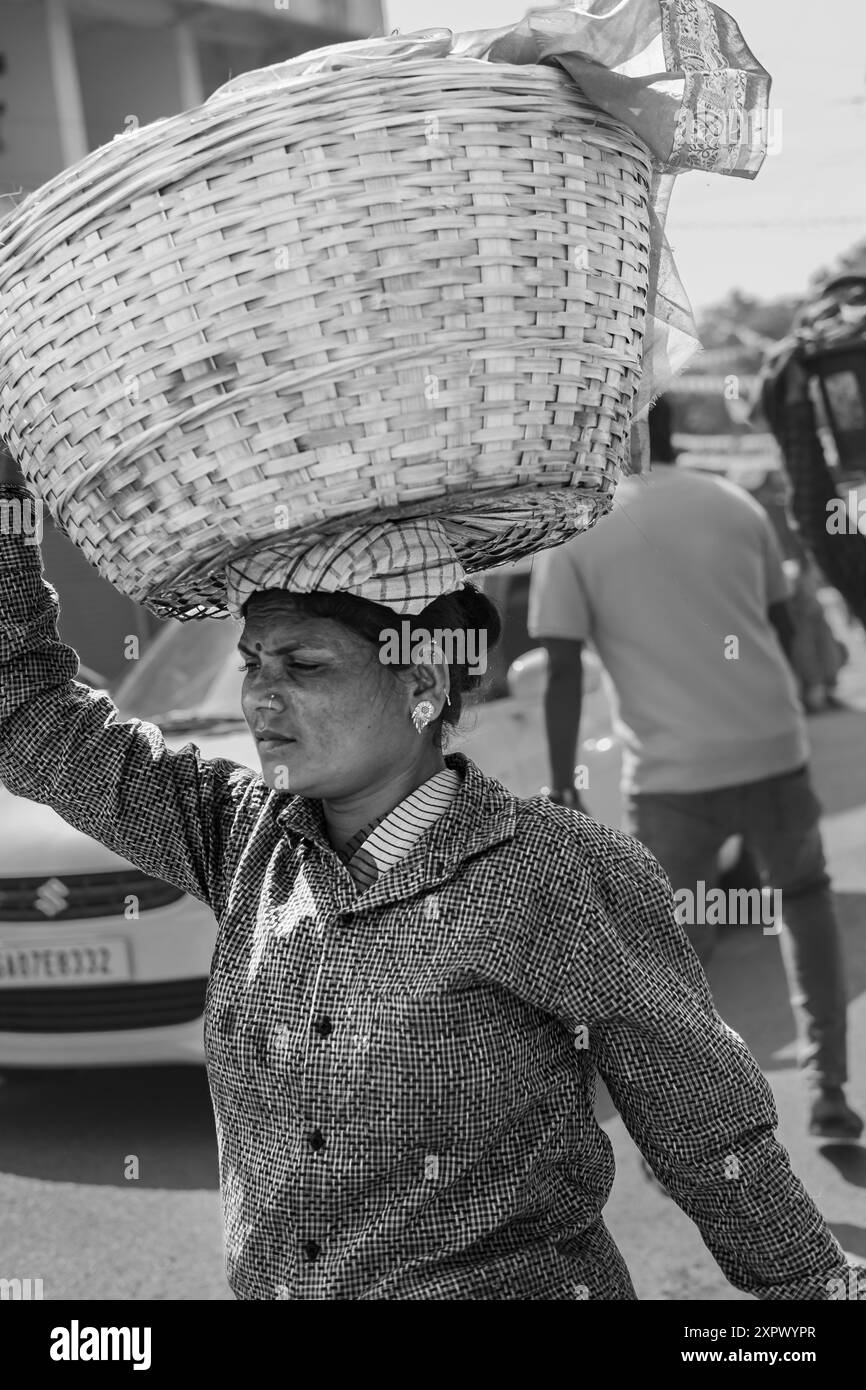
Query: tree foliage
x=744 y=319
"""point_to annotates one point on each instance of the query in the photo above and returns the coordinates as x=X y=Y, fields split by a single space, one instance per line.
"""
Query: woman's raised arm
x=61 y=743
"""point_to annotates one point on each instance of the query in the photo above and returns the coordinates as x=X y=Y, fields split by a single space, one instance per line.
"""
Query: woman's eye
x=290 y=665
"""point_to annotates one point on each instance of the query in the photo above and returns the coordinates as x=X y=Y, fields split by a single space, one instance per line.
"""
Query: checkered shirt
x=404 y=1077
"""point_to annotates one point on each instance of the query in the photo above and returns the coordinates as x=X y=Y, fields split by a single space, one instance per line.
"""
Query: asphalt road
x=79 y=1214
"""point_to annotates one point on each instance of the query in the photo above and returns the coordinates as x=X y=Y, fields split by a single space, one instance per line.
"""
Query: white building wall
x=125 y=73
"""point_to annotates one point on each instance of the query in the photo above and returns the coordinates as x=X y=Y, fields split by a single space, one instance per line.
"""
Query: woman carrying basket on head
x=417 y=975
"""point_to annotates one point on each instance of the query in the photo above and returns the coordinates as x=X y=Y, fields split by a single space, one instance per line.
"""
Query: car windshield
x=188 y=677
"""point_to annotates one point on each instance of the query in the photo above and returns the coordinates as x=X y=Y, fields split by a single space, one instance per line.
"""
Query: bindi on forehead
x=272 y=630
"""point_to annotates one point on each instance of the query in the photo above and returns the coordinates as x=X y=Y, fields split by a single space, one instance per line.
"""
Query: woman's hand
x=10 y=471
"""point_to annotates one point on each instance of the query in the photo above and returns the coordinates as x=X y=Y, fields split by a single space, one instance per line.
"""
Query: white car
x=101 y=965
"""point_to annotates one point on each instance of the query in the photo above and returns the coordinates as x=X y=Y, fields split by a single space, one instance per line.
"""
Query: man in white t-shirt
x=682 y=593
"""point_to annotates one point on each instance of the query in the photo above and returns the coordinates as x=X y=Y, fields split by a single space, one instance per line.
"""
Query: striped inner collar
x=383 y=842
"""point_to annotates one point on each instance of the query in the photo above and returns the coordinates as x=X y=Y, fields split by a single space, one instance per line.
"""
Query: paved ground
x=69 y=1216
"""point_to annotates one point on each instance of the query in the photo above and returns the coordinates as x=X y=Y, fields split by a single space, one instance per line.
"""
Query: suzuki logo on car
x=52 y=897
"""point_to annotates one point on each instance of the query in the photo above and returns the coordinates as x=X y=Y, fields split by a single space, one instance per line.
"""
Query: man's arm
x=560 y=617
x=563 y=701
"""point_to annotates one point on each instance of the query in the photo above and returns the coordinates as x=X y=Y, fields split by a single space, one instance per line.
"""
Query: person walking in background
x=816 y=655
x=784 y=400
x=682 y=592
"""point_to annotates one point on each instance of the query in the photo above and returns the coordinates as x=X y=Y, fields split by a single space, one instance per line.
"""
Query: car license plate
x=75 y=963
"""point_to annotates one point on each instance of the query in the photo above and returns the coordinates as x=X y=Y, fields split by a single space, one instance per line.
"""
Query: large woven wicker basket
x=362 y=294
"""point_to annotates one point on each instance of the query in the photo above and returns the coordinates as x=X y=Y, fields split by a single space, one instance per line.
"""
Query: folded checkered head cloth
x=404 y=565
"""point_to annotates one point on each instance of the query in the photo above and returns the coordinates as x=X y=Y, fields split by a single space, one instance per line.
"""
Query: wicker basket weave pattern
x=359 y=296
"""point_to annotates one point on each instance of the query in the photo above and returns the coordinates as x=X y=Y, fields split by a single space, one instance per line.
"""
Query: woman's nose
x=261 y=694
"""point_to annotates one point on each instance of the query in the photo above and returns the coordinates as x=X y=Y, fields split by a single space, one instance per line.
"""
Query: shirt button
x=323 y=1026
x=312 y=1249
x=316 y=1139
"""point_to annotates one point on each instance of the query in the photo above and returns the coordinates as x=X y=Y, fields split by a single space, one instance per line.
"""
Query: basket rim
x=551 y=510
x=475 y=556
x=110 y=162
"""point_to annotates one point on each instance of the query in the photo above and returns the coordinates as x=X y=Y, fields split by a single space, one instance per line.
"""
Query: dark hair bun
x=467 y=611
x=480 y=612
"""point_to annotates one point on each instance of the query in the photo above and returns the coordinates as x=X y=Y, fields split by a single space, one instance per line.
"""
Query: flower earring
x=422 y=714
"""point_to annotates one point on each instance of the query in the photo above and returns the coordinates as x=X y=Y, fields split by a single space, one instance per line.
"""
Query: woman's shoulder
x=570 y=842
x=554 y=843
x=573 y=831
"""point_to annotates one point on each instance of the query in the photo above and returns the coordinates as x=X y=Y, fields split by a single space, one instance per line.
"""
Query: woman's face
x=340 y=720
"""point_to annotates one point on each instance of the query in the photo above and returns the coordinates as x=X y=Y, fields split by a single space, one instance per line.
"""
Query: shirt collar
x=481 y=815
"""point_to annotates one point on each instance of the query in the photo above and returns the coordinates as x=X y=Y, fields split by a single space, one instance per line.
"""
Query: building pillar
x=191 y=88
x=67 y=89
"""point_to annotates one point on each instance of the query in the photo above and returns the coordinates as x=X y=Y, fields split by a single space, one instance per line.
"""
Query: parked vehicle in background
x=99 y=963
